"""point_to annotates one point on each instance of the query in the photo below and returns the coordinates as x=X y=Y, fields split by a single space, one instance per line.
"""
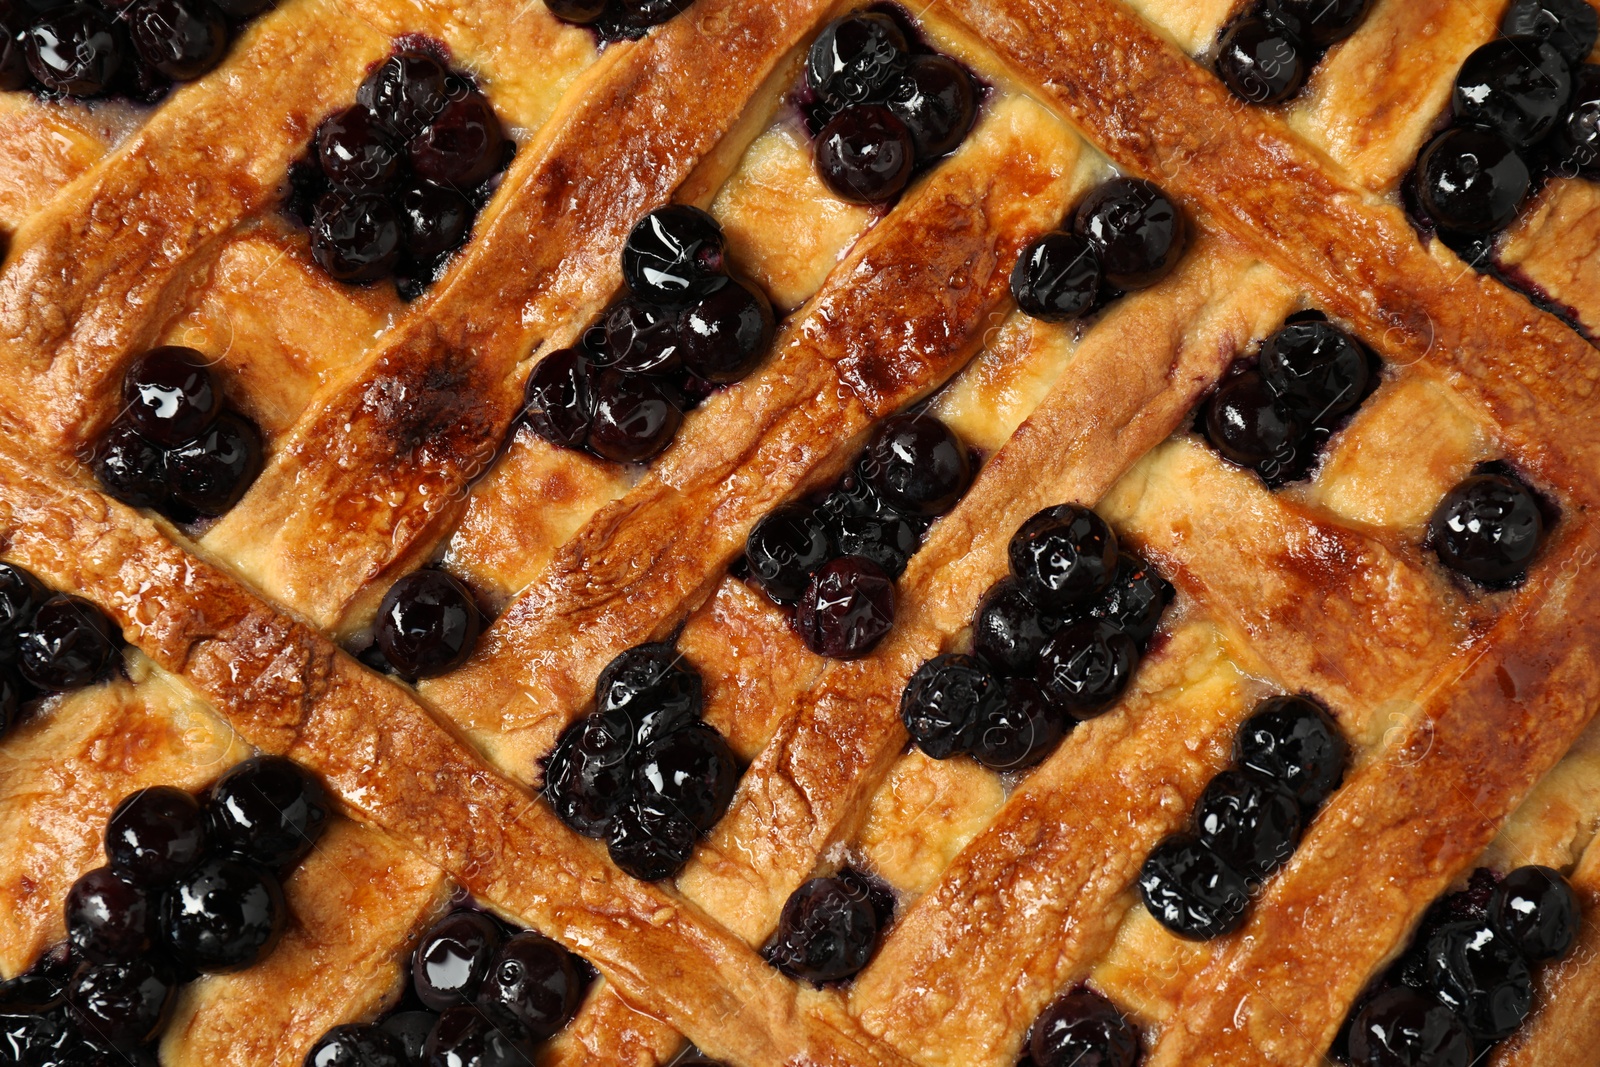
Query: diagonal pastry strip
x=288 y=689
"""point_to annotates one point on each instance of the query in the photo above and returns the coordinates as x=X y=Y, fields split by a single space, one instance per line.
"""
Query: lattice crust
x=386 y=425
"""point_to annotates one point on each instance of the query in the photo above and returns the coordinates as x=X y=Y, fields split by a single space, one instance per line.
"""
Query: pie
x=617 y=531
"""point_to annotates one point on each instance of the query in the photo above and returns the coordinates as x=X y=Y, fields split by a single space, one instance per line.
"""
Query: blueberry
x=1057 y=277
x=74 y=50
x=827 y=932
x=1250 y=821
x=1315 y=370
x=1139 y=233
x=1135 y=599
x=268 y=810
x=674 y=256
x=579 y=12
x=917 y=465
x=13 y=59
x=11 y=697
x=1319 y=23
x=356 y=1045
x=588 y=776
x=642 y=338
x=225 y=915
x=1574 y=144
x=411 y=1030
x=466 y=1036
x=1191 y=890
x=1083 y=1029
x=887 y=540
x=428 y=624
x=853 y=497
x=632 y=19
x=690 y=772
x=558 y=401
x=650 y=691
x=650 y=841
x=170 y=395
x=945 y=702
x=1402 y=1028
x=405 y=93
x=109 y=919
x=1085 y=667
x=356 y=238
x=1291 y=740
x=130 y=467
x=127 y=1003
x=1569 y=25
x=846 y=609
x=463 y=145
x=155 y=835
x=783 y=550
x=536 y=981
x=635 y=419
x=856 y=58
x=357 y=152
x=182 y=39
x=20 y=597
x=210 y=474
x=938 y=103
x=865 y=154
x=1020 y=729
x=434 y=221
x=1261 y=62
x=1515 y=86
x=1537 y=913
x=70 y=644
x=1247 y=424
x=1475 y=972
x=453 y=958
x=1488 y=528
x=1471 y=181
x=726 y=334
x=1008 y=631
x=1063 y=556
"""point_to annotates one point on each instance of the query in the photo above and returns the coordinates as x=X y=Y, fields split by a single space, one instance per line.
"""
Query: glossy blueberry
x=225 y=915
x=428 y=623
x=1488 y=528
x=405 y=93
x=1008 y=631
x=357 y=1045
x=1261 y=62
x=691 y=772
x=856 y=58
x=635 y=418
x=1247 y=424
x=917 y=464
x=846 y=609
x=268 y=810
x=1315 y=369
x=579 y=12
x=1475 y=972
x=588 y=777
x=652 y=689
x=466 y=1036
x=1471 y=181
x=558 y=401
x=130 y=467
x=1191 y=890
x=1063 y=556
x=74 y=50
x=827 y=932
x=182 y=39
x=1515 y=86
x=1083 y=1029
x=1250 y=821
x=453 y=957
x=865 y=154
x=1021 y=728
x=1291 y=740
x=783 y=550
x=642 y=338
x=435 y=220
x=127 y=1003
x=888 y=540
x=632 y=19
x=11 y=697
x=1537 y=913
x=1085 y=667
x=854 y=496
x=13 y=59
x=674 y=256
x=1135 y=599
x=170 y=395
x=726 y=334
x=937 y=101
x=109 y=919
x=411 y=1030
x=357 y=152
x=1569 y=25
x=20 y=596
x=650 y=841
x=70 y=644
x=945 y=702
x=211 y=473
x=1574 y=144
x=356 y=238
x=536 y=981
x=1319 y=23
x=462 y=146
x=1400 y=1027
x=156 y=835
x=1057 y=277
x=1139 y=233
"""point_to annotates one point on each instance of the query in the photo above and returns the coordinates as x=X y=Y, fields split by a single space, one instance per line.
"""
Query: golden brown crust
x=1552 y=250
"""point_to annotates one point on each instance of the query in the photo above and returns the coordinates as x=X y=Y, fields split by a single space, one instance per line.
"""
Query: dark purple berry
x=411 y=1030
x=691 y=772
x=783 y=550
x=635 y=419
x=1315 y=370
x=1008 y=631
x=536 y=981
x=1574 y=144
x=405 y=92
x=466 y=1036
x=124 y=1004
x=1138 y=231
x=156 y=835
x=70 y=644
x=1488 y=528
x=1191 y=890
x=888 y=540
x=269 y=810
x=1085 y=667
x=587 y=779
x=357 y=1045
x=1057 y=277
x=1135 y=600
x=225 y=915
x=1319 y=23
x=650 y=841
x=182 y=39
x=1063 y=556
x=1021 y=728
x=130 y=467
x=356 y=151
x=579 y=12
x=74 y=50
x=1292 y=741
x=453 y=958
x=1402 y=1028
x=1537 y=913
x=20 y=597
x=462 y=146
x=846 y=609
x=651 y=689
x=727 y=333
x=11 y=697
x=211 y=473
x=13 y=59
x=826 y=933
x=356 y=238
x=632 y=19
x=109 y=919
x=434 y=220
x=243 y=10
x=428 y=623
x=1250 y=821
x=674 y=256
x=1247 y=424
x=937 y=101
x=642 y=338
x=917 y=464
x=1515 y=86
x=170 y=395
x=1471 y=181
x=856 y=58
x=1261 y=62
x=945 y=702
x=1476 y=973
x=1569 y=25
x=865 y=154
x=558 y=399
x=1083 y=1029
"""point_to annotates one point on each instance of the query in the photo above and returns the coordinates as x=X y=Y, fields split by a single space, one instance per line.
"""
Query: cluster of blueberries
x=175 y=446
x=1266 y=55
x=135 y=48
x=1125 y=235
x=49 y=642
x=834 y=559
x=1081 y=1028
x=192 y=886
x=829 y=927
x=1053 y=644
x=428 y=624
x=482 y=994
x=616 y=20
x=1466 y=982
x=643 y=772
x=1288 y=758
x=391 y=186
x=1524 y=102
x=879 y=109
x=1273 y=417
x=1489 y=527
x=685 y=327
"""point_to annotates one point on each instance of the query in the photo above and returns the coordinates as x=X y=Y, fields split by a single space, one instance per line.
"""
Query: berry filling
x=49 y=643
x=829 y=928
x=1081 y=1029
x=1266 y=53
x=1488 y=528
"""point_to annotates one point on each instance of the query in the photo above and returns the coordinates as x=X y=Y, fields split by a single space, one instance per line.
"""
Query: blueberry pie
x=989 y=533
